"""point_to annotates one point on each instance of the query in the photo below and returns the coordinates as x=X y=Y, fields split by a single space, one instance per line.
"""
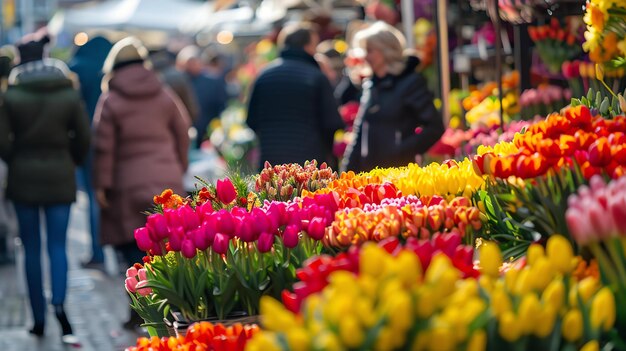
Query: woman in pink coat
x=141 y=145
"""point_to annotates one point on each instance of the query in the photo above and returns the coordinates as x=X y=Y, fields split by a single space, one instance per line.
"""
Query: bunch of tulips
x=390 y=302
x=595 y=144
x=555 y=43
x=202 y=336
x=287 y=181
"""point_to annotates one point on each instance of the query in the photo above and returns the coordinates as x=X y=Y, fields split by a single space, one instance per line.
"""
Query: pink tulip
x=189 y=217
x=316 y=229
x=291 y=236
x=265 y=242
x=142 y=274
x=142 y=237
x=293 y=215
x=226 y=192
x=173 y=218
x=199 y=238
x=157 y=223
x=278 y=211
x=261 y=222
x=579 y=226
x=239 y=212
x=131 y=272
x=188 y=249
x=204 y=210
x=176 y=238
x=617 y=208
x=156 y=249
x=246 y=229
x=221 y=242
x=225 y=222
x=131 y=285
x=141 y=288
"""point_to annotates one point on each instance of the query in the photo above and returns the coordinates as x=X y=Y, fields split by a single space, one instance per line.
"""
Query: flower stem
x=605 y=264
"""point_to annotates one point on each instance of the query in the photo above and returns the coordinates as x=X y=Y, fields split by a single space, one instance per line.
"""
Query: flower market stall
x=517 y=244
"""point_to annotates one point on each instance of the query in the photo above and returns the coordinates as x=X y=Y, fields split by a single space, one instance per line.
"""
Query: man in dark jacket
x=292 y=108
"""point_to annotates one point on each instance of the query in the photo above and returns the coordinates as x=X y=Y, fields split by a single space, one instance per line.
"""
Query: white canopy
x=164 y=15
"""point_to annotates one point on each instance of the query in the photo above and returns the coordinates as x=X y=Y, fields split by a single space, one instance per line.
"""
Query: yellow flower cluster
x=503 y=148
x=447 y=181
x=392 y=304
x=487 y=113
x=602 y=41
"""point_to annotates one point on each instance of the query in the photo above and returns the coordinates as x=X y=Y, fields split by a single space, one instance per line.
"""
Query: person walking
x=44 y=134
x=141 y=147
x=87 y=64
x=292 y=109
x=397 y=119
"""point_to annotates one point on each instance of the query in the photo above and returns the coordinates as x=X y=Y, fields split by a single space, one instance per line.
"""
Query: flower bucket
x=178 y=325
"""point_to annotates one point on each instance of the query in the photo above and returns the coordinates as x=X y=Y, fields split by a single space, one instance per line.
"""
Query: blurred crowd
x=123 y=122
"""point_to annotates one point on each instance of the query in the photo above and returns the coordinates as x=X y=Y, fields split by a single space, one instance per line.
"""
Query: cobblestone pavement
x=96 y=302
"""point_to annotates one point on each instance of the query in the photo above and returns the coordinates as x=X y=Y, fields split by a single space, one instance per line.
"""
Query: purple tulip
x=316 y=229
x=226 y=192
x=199 y=238
x=225 y=222
x=204 y=210
x=291 y=236
x=265 y=242
x=176 y=238
x=220 y=244
x=157 y=223
x=189 y=217
x=188 y=249
x=246 y=229
x=142 y=237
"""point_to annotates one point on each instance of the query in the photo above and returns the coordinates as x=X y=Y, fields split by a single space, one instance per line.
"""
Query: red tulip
x=188 y=249
x=291 y=235
x=246 y=230
x=220 y=243
x=317 y=227
x=260 y=221
x=189 y=217
x=600 y=152
x=226 y=192
x=176 y=238
x=291 y=301
x=225 y=222
x=173 y=218
x=265 y=242
x=142 y=237
x=204 y=210
x=199 y=238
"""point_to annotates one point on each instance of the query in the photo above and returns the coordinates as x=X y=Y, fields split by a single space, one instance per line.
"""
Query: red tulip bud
x=176 y=238
x=291 y=236
x=225 y=222
x=199 y=238
x=316 y=229
x=265 y=242
x=173 y=218
x=600 y=153
x=220 y=243
x=157 y=223
x=226 y=192
x=246 y=229
x=189 y=217
x=204 y=210
x=188 y=249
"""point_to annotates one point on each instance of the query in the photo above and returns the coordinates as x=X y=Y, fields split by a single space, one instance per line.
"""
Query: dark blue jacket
x=391 y=109
x=87 y=64
x=293 y=111
x=211 y=97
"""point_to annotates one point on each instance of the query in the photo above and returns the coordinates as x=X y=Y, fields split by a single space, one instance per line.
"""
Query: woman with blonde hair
x=397 y=119
x=141 y=146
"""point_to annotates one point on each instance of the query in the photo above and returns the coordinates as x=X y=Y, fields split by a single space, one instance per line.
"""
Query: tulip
x=204 y=210
x=142 y=237
x=199 y=238
x=220 y=243
x=600 y=152
x=265 y=242
x=261 y=222
x=246 y=229
x=579 y=225
x=225 y=223
x=291 y=235
x=131 y=285
x=131 y=272
x=176 y=238
x=173 y=218
x=226 y=192
x=188 y=248
x=157 y=223
x=490 y=259
x=572 y=328
x=189 y=217
x=560 y=253
x=317 y=227
x=142 y=274
x=142 y=289
x=603 y=310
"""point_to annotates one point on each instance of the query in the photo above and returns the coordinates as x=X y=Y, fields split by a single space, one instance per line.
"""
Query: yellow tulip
x=541 y=273
x=545 y=320
x=554 y=295
x=560 y=253
x=409 y=269
x=478 y=341
x=263 y=341
x=509 y=328
x=373 y=260
x=350 y=332
x=490 y=259
x=385 y=339
x=572 y=328
x=298 y=339
x=527 y=312
x=426 y=302
x=586 y=288
x=274 y=316
x=603 y=309
x=421 y=342
x=591 y=346
x=398 y=304
x=500 y=303
x=441 y=339
x=535 y=251
x=523 y=285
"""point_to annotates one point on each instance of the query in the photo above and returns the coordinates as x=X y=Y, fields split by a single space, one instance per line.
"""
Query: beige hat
x=129 y=49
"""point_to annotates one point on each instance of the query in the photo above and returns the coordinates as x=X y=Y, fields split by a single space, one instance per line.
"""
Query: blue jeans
x=84 y=175
x=57 y=218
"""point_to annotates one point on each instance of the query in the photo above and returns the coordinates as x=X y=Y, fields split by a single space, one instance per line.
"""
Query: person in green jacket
x=44 y=134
